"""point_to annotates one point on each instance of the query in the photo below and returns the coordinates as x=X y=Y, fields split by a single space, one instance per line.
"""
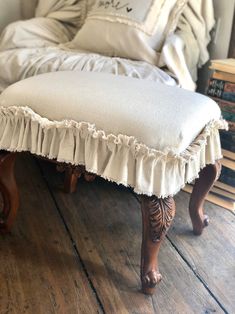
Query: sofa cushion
x=133 y=29
x=128 y=130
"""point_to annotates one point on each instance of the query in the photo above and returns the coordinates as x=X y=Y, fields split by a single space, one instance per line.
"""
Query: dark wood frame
x=157 y=214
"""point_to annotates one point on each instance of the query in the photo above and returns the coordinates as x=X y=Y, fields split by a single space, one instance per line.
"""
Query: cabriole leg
x=202 y=186
x=89 y=177
x=71 y=180
x=72 y=174
x=157 y=216
x=9 y=202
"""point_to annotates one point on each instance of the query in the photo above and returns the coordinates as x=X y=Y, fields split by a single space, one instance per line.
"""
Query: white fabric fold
x=18 y=64
x=173 y=54
x=186 y=50
x=71 y=12
x=200 y=16
x=120 y=158
x=36 y=32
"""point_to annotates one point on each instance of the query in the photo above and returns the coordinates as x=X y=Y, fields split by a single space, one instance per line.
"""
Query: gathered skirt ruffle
x=117 y=158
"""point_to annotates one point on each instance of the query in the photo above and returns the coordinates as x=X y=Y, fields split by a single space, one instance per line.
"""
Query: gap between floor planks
x=210 y=256
x=39 y=269
x=105 y=224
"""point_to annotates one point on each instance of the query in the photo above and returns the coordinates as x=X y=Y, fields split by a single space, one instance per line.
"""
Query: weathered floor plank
x=39 y=269
x=105 y=223
x=212 y=255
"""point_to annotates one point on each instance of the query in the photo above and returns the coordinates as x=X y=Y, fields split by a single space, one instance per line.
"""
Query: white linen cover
x=149 y=136
x=18 y=64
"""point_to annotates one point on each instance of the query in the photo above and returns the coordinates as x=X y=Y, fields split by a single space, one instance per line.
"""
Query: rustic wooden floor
x=80 y=253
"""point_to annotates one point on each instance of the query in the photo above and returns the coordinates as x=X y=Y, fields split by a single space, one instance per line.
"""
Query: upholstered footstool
x=144 y=135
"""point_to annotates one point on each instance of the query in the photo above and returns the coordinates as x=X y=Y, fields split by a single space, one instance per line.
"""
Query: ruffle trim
x=119 y=158
x=148 y=25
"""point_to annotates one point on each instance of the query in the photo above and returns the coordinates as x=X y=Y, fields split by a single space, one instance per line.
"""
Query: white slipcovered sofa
x=42 y=44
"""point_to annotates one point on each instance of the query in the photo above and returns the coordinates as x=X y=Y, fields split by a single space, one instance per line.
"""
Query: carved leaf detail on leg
x=157 y=216
x=161 y=214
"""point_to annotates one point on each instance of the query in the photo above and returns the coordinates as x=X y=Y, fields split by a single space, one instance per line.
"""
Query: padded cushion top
x=161 y=117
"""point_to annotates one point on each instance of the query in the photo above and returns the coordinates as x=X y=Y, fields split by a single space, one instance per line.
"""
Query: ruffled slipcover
x=155 y=150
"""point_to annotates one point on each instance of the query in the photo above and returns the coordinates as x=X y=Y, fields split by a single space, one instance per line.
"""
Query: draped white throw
x=41 y=42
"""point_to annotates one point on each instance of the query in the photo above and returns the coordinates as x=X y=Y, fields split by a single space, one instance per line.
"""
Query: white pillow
x=134 y=29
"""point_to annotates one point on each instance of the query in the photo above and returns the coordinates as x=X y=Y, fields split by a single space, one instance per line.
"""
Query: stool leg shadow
x=202 y=186
x=9 y=191
x=157 y=216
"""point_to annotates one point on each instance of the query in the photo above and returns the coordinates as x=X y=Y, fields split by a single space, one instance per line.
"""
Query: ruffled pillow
x=133 y=29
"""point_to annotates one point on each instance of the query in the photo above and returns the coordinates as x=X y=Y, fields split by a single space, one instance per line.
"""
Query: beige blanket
x=186 y=50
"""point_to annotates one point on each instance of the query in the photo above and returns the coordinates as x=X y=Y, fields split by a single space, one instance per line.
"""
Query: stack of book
x=221 y=88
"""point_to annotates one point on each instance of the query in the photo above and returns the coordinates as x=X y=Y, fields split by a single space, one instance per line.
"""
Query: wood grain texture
x=212 y=255
x=9 y=191
x=40 y=271
x=105 y=223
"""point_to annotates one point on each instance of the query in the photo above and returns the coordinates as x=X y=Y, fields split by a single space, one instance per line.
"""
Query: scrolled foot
x=200 y=221
x=206 y=221
x=202 y=186
x=200 y=224
x=150 y=281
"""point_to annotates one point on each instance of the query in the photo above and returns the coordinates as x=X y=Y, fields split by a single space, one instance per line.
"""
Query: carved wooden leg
x=202 y=186
x=72 y=174
x=157 y=215
x=71 y=178
x=89 y=177
x=9 y=191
